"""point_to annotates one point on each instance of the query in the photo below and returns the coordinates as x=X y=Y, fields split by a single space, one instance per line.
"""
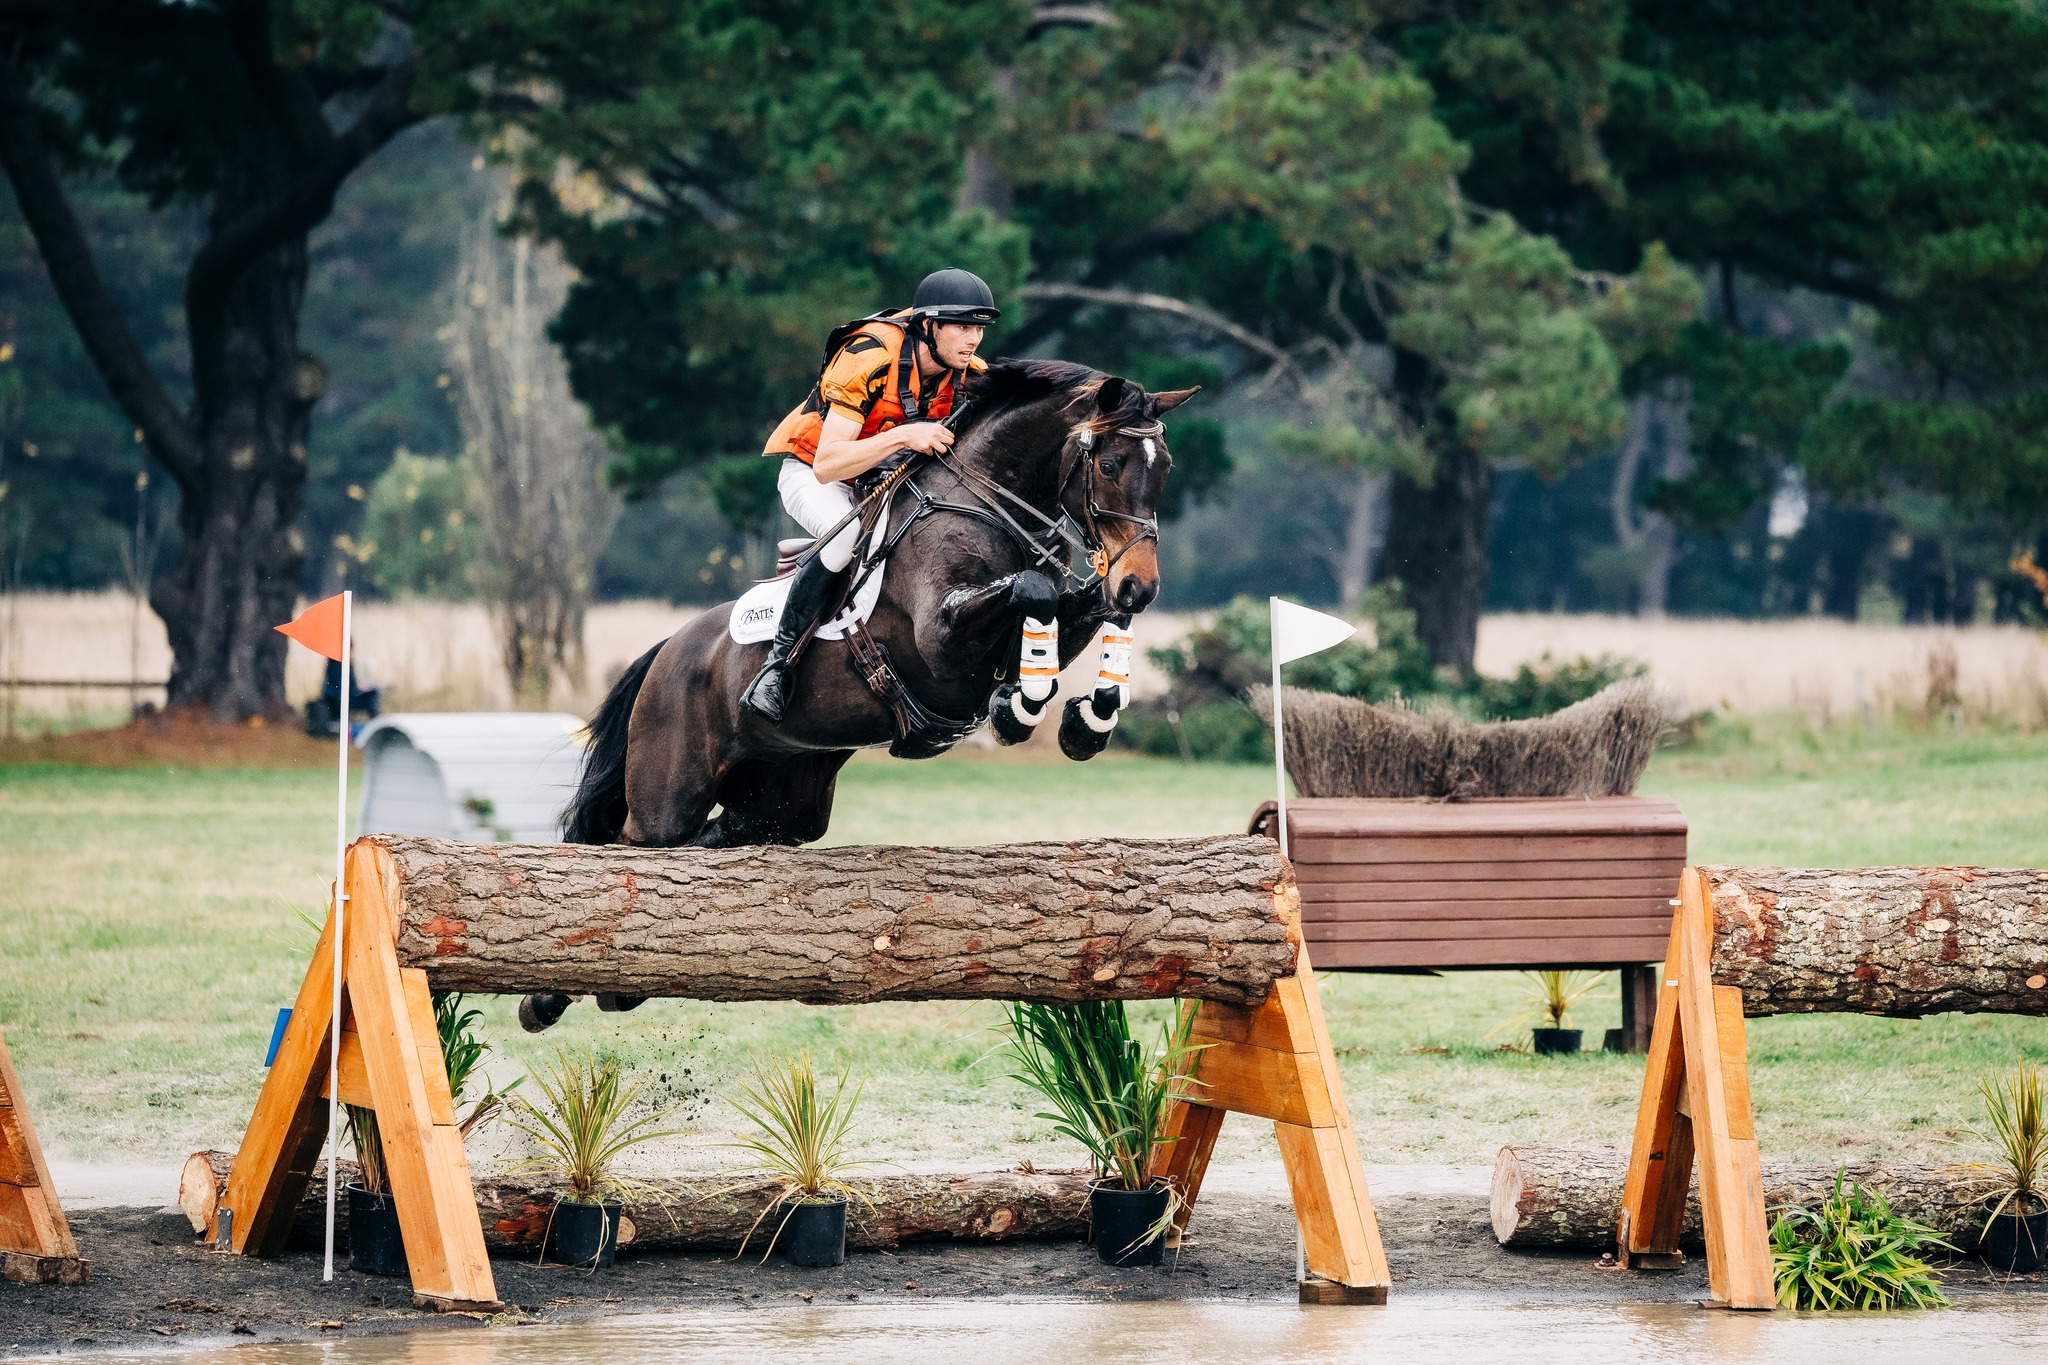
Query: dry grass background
x=442 y=656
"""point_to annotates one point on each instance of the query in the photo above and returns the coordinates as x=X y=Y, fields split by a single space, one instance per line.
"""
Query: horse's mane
x=1010 y=383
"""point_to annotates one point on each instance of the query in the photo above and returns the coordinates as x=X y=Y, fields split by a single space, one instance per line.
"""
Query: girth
x=920 y=731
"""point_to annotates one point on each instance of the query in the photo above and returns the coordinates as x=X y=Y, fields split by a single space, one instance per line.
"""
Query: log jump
x=1102 y=919
x=1212 y=922
x=1749 y=942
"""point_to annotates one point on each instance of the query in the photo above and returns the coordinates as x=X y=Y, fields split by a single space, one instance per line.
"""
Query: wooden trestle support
x=1695 y=1104
x=1272 y=1061
x=35 y=1240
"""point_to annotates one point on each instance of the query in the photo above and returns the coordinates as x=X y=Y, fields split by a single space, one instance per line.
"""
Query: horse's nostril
x=1135 y=594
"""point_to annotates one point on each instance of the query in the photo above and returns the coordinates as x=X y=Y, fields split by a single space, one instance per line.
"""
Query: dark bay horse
x=670 y=744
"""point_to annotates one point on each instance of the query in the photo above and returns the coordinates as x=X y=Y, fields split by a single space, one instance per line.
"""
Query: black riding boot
x=768 y=693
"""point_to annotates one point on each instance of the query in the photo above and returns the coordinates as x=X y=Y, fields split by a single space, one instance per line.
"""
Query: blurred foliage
x=419 y=535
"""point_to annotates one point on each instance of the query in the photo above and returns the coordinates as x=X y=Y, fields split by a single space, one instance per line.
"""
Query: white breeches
x=818 y=507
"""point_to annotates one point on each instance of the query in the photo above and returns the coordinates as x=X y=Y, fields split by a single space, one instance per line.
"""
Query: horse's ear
x=1110 y=396
x=1172 y=398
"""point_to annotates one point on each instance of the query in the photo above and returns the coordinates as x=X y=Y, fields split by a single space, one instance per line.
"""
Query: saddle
x=920 y=731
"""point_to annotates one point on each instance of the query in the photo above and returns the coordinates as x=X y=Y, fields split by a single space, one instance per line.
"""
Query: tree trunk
x=1103 y=919
x=237 y=574
x=1569 y=1195
x=1437 y=531
x=716 y=1212
x=1364 y=530
x=1899 y=941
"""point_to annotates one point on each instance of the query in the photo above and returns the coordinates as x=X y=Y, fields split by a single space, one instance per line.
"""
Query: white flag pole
x=1279 y=732
x=340 y=904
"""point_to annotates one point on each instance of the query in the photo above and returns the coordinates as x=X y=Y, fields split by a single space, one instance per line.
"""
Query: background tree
x=535 y=462
x=258 y=114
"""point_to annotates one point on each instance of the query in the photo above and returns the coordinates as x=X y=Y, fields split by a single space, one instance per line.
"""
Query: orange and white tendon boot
x=1085 y=728
x=1019 y=707
x=1114 y=669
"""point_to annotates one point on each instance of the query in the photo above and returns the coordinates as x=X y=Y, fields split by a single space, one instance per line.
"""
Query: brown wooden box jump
x=1405 y=885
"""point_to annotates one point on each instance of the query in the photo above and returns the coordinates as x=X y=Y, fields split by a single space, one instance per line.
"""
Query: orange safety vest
x=871 y=376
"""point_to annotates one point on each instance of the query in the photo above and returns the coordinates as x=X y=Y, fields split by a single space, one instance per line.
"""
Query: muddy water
x=1441 y=1331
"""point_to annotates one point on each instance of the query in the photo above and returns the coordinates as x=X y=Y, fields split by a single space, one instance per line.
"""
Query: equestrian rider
x=889 y=382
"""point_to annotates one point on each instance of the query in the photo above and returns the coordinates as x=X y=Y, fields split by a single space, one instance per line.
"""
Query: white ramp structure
x=485 y=776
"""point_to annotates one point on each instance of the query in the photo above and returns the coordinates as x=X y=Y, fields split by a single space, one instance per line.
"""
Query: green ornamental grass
x=585 y=1127
x=1856 y=1252
x=1109 y=1092
x=801 y=1137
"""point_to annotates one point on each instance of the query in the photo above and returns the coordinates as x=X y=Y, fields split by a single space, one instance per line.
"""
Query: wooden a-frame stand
x=390 y=1062
x=35 y=1241
x=1696 y=1103
x=1273 y=1062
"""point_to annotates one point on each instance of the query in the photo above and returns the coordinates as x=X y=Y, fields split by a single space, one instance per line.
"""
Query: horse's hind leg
x=789 y=802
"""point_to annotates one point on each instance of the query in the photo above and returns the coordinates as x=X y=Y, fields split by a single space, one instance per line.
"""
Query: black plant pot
x=585 y=1236
x=2015 y=1242
x=814 y=1232
x=1552 y=1042
x=1124 y=1224
x=374 y=1244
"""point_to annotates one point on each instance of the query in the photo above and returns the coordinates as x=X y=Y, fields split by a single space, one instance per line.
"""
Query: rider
x=889 y=382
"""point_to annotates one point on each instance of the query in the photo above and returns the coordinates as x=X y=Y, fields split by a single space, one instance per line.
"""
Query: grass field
x=147 y=936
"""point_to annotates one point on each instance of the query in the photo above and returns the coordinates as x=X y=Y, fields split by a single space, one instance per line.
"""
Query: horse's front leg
x=1030 y=601
x=1085 y=727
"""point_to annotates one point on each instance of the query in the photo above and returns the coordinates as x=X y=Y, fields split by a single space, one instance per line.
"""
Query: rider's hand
x=926 y=438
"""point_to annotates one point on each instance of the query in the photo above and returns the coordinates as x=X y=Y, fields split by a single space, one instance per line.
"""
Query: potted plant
x=1110 y=1094
x=1556 y=992
x=2015 y=1236
x=801 y=1142
x=375 y=1245
x=581 y=1131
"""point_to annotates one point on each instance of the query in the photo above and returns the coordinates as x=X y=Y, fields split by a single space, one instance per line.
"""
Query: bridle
x=1050 y=547
x=1058 y=543
x=1148 y=527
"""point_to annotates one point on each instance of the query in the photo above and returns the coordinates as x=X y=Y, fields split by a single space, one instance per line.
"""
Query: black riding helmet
x=955 y=295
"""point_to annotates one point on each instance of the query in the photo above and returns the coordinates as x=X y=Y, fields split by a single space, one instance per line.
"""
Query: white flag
x=1299 y=632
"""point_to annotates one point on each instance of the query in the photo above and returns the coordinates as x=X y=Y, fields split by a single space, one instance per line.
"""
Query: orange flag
x=319 y=628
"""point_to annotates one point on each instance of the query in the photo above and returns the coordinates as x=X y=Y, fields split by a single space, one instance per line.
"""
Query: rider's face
x=955 y=343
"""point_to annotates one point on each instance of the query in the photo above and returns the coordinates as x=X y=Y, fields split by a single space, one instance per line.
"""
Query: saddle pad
x=756 y=614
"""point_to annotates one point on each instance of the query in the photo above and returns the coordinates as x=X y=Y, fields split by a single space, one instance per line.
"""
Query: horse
x=670 y=741
x=1080 y=460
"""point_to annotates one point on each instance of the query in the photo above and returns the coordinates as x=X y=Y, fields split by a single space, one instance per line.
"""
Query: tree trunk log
x=1570 y=1195
x=716 y=1212
x=1124 y=919
x=1901 y=941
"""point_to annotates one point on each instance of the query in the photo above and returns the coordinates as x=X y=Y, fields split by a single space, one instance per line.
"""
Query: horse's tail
x=597 y=813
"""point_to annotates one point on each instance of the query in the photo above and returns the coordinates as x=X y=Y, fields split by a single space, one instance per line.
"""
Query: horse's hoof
x=538 y=1013
x=1011 y=716
x=611 y=1002
x=1085 y=727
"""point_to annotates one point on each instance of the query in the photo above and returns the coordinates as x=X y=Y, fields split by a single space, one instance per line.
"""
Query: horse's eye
x=1107 y=466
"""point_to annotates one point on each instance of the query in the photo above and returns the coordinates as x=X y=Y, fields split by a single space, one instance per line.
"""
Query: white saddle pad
x=759 y=610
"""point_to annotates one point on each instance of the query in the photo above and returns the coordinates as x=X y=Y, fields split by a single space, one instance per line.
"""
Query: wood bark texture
x=1901 y=941
x=716 y=1212
x=1569 y=1195
x=1101 y=919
